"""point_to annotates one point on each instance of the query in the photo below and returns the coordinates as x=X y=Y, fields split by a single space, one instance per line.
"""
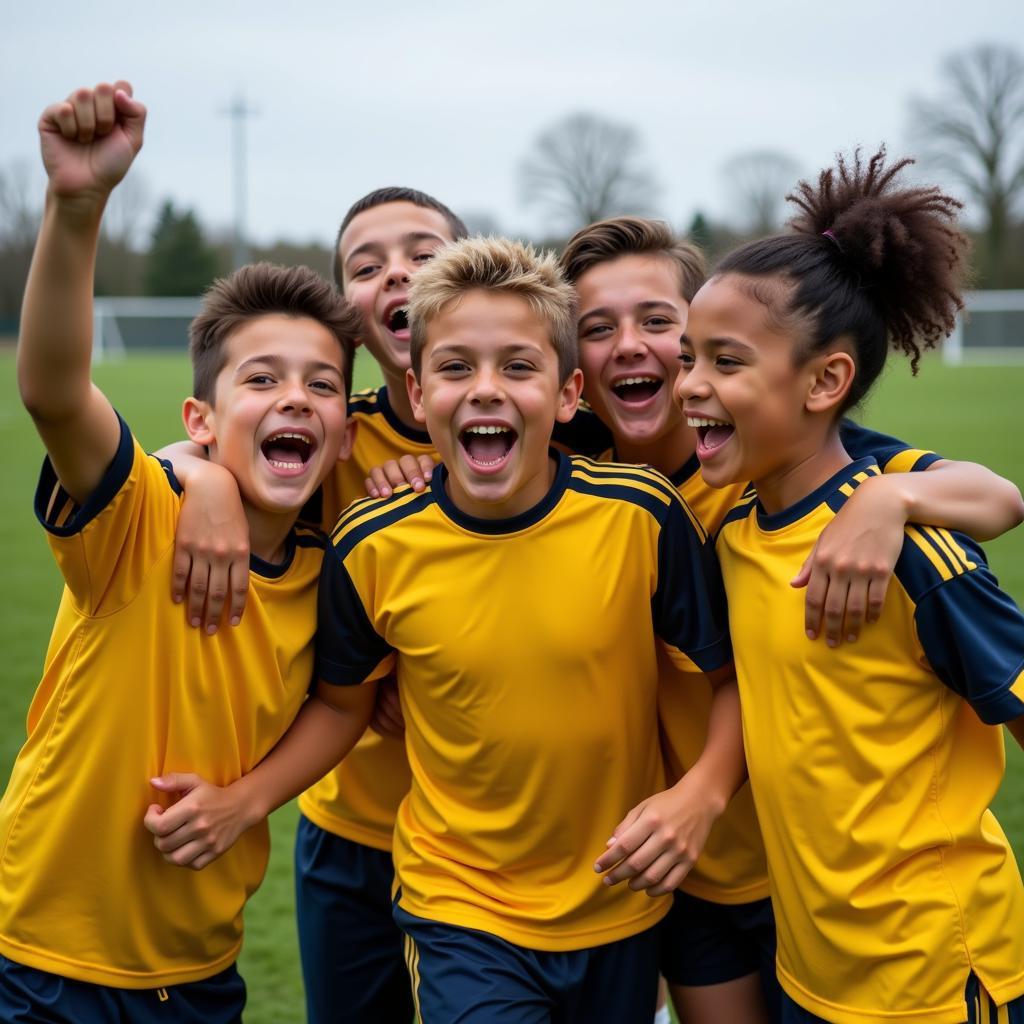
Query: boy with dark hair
x=515 y=701
x=94 y=925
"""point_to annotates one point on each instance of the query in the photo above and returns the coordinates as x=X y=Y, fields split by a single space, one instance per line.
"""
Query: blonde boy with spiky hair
x=516 y=701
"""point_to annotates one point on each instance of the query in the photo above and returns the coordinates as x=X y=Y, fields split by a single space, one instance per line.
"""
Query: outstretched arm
x=848 y=571
x=88 y=143
x=661 y=838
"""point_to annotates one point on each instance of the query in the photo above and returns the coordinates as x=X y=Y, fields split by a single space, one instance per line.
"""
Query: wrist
x=708 y=785
x=252 y=801
x=82 y=210
x=888 y=494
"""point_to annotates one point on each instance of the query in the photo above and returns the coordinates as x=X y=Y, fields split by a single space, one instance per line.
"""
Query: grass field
x=967 y=413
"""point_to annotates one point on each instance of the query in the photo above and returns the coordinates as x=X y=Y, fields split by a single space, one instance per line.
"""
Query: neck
x=667 y=453
x=268 y=532
x=398 y=396
x=786 y=485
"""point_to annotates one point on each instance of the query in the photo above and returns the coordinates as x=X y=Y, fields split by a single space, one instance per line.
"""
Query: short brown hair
x=633 y=236
x=500 y=265
x=257 y=290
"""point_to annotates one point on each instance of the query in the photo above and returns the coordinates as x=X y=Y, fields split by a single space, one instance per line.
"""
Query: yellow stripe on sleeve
x=905 y=460
x=929 y=551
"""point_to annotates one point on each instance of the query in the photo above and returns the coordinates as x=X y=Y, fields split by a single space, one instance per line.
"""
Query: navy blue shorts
x=30 y=996
x=465 y=976
x=980 y=1009
x=706 y=943
x=353 y=966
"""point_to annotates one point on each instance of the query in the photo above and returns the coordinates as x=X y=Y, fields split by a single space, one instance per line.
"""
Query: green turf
x=969 y=413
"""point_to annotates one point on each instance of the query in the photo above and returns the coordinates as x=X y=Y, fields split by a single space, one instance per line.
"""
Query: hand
x=204 y=823
x=89 y=141
x=848 y=571
x=387 y=719
x=658 y=842
x=415 y=470
x=211 y=548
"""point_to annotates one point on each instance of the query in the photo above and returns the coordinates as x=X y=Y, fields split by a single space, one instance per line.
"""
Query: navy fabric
x=705 y=943
x=464 y=976
x=30 y=996
x=351 y=949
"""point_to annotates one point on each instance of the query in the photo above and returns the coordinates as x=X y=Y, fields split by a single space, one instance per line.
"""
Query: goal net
x=121 y=325
x=990 y=330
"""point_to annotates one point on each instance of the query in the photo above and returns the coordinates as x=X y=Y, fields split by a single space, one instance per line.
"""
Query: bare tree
x=585 y=168
x=759 y=181
x=19 y=222
x=975 y=132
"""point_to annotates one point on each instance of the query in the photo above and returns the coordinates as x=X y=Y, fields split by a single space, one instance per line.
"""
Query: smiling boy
x=94 y=924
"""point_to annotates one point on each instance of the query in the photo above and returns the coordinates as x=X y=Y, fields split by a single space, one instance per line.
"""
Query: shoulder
x=639 y=486
x=891 y=454
x=365 y=402
x=743 y=510
x=932 y=556
x=369 y=517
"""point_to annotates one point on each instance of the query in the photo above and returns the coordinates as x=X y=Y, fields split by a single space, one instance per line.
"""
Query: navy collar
x=391 y=418
x=819 y=496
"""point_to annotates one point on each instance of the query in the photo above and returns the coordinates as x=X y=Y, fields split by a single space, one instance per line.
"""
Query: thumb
x=175 y=782
x=132 y=112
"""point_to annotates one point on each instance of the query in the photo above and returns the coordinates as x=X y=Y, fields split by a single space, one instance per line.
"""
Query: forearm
x=321 y=735
x=960 y=496
x=722 y=766
x=55 y=343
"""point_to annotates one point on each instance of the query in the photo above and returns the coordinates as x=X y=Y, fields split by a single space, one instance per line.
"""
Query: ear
x=348 y=439
x=833 y=374
x=415 y=391
x=569 y=397
x=197 y=416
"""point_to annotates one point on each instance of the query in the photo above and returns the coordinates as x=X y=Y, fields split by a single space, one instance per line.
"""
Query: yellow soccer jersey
x=526 y=655
x=873 y=768
x=359 y=798
x=129 y=692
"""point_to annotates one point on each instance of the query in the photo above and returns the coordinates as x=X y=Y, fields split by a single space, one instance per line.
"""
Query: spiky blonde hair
x=499 y=265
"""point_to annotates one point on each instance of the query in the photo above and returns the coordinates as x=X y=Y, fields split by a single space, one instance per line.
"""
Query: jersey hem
x=350 y=830
x=840 y=1014
x=727 y=897
x=111 y=977
x=543 y=941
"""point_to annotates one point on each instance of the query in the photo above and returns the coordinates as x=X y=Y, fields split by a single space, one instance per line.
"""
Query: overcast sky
x=447 y=96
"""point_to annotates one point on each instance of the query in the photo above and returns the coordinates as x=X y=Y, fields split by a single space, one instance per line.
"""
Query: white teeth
x=487 y=430
x=298 y=437
x=637 y=380
x=284 y=465
x=703 y=421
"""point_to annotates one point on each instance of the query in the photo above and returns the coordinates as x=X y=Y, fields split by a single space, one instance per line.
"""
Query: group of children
x=572 y=654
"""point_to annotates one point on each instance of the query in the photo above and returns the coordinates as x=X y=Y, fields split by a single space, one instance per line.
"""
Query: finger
x=175 y=782
x=198 y=587
x=802 y=578
x=60 y=117
x=671 y=881
x=856 y=606
x=654 y=872
x=835 y=604
x=103 y=96
x=152 y=818
x=216 y=595
x=877 y=589
x=409 y=467
x=181 y=566
x=130 y=112
x=184 y=855
x=814 y=601
x=85 y=114
x=427 y=465
x=627 y=839
x=377 y=485
x=635 y=864
x=239 y=589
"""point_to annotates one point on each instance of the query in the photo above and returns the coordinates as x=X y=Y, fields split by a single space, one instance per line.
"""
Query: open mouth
x=287 y=450
x=397 y=320
x=711 y=434
x=487 y=446
x=635 y=390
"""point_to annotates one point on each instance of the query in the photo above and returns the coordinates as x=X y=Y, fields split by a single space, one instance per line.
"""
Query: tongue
x=278 y=453
x=717 y=436
x=487 y=447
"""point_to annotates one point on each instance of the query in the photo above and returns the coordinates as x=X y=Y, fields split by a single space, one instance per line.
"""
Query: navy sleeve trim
x=51 y=500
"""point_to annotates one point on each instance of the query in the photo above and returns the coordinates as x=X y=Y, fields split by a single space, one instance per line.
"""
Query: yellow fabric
x=891 y=878
x=359 y=799
x=531 y=730
x=129 y=692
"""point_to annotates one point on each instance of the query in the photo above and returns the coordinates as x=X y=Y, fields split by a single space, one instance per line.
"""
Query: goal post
x=989 y=330
x=123 y=324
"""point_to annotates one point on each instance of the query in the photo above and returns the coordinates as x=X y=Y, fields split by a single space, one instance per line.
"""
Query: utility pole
x=238 y=112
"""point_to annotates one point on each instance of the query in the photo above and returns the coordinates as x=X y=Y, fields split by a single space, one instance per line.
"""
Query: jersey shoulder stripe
x=365 y=402
x=310 y=537
x=743 y=508
x=380 y=514
x=838 y=498
x=932 y=556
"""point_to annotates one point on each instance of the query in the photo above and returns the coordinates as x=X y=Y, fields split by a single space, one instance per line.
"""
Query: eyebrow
x=719 y=343
x=277 y=361
x=453 y=348
x=409 y=239
x=646 y=305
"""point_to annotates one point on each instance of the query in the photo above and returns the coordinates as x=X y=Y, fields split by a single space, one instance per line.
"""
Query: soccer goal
x=120 y=325
x=990 y=330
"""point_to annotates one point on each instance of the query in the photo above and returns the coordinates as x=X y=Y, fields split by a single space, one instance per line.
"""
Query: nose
x=294 y=397
x=629 y=343
x=691 y=382
x=487 y=387
x=398 y=271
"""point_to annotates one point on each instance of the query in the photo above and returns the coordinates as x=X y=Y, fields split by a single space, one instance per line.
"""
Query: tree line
x=586 y=167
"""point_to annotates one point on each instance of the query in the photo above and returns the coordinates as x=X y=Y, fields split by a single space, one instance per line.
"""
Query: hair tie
x=830 y=234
